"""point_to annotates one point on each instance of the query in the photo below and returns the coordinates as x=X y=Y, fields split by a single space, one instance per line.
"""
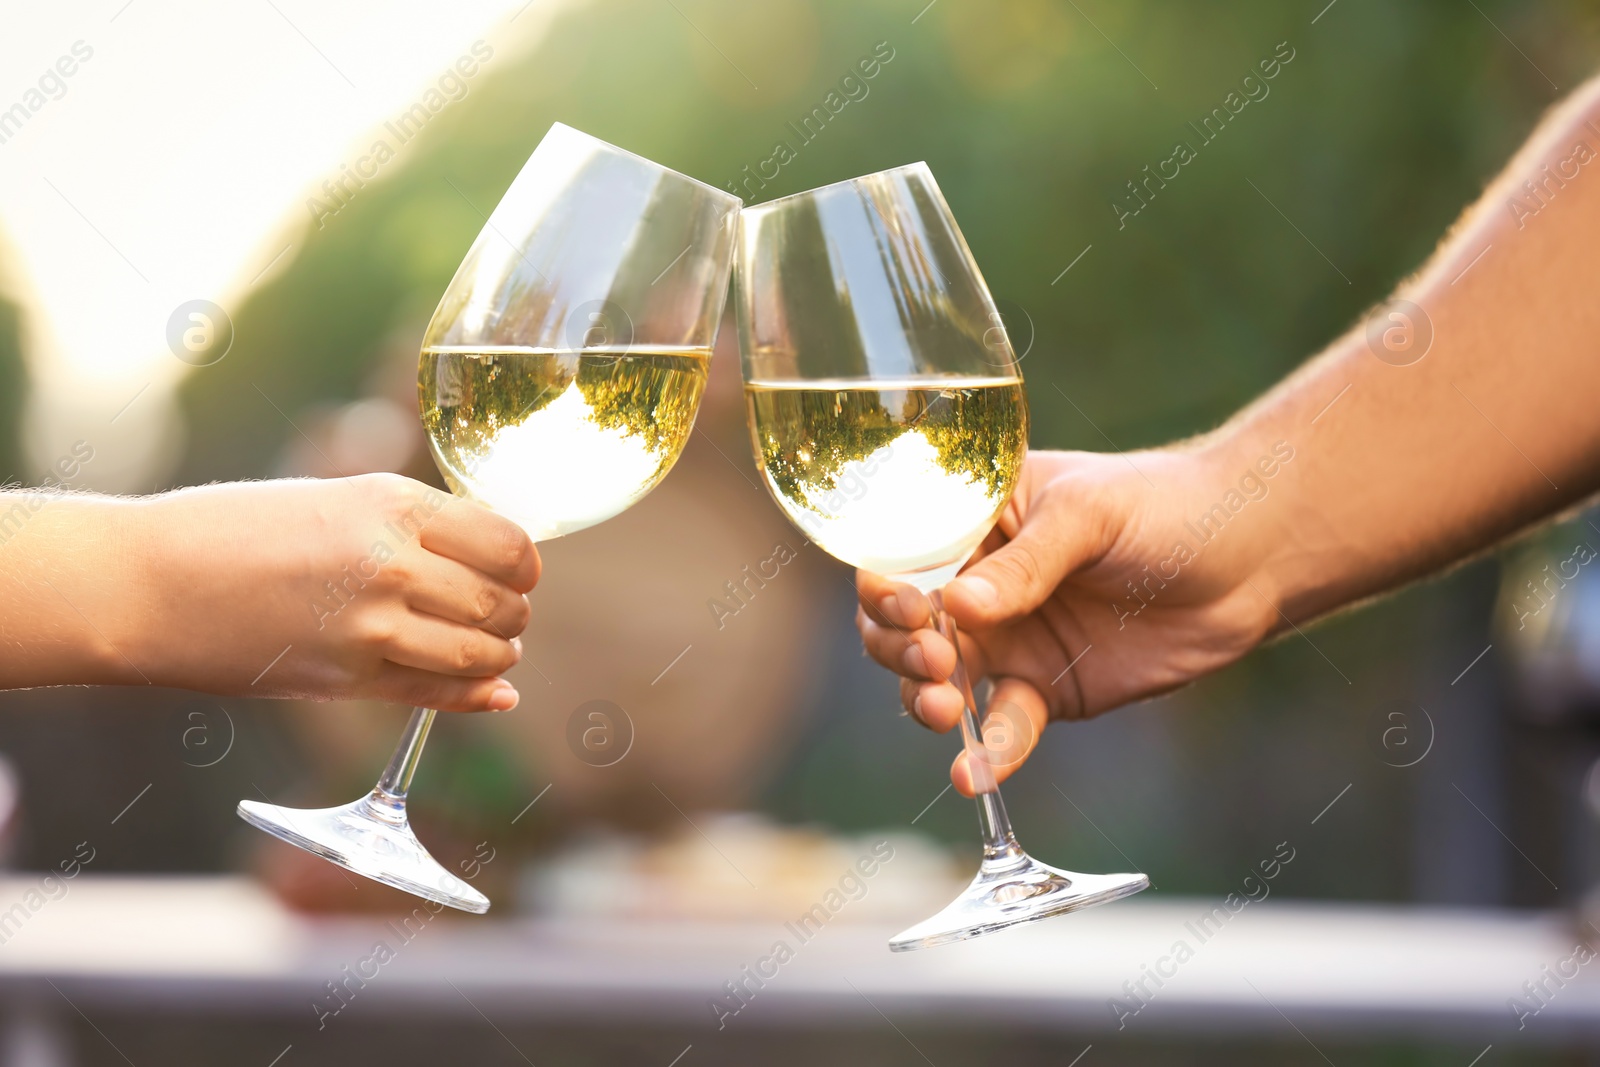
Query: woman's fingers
x=1012 y=722
x=474 y=535
x=457 y=593
x=408 y=685
x=432 y=644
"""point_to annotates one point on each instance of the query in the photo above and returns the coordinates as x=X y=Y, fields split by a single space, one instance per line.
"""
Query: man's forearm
x=1409 y=461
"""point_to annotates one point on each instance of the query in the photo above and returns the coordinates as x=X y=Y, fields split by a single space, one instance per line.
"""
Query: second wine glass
x=559 y=382
x=889 y=418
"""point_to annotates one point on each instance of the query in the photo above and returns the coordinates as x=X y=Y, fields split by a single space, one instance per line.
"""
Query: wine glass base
x=1012 y=888
x=372 y=838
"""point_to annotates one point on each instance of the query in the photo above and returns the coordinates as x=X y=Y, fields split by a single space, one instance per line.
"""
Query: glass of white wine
x=559 y=381
x=889 y=419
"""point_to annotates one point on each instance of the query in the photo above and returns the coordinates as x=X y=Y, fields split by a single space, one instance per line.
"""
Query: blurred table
x=222 y=947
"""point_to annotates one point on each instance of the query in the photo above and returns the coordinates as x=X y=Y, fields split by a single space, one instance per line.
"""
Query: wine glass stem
x=998 y=839
x=396 y=778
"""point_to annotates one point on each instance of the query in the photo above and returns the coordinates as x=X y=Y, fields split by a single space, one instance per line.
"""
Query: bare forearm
x=66 y=567
x=1405 y=464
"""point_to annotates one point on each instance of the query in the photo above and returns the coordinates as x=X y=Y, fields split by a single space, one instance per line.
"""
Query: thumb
x=1020 y=575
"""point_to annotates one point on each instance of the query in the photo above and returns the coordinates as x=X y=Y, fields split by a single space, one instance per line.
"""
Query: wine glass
x=559 y=381
x=889 y=420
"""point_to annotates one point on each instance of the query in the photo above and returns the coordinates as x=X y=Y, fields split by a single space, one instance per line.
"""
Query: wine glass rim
x=920 y=166
x=646 y=160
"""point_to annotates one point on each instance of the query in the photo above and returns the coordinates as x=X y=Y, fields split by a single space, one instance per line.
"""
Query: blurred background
x=224 y=163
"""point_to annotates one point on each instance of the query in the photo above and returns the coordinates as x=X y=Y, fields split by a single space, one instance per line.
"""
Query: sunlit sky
x=174 y=163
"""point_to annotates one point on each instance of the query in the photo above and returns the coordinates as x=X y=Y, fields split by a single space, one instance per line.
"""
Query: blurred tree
x=13 y=394
x=1370 y=139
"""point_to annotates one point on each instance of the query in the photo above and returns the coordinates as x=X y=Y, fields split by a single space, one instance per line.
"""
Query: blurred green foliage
x=13 y=393
x=1386 y=122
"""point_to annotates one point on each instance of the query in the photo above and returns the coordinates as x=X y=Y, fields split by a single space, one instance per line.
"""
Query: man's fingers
x=474 y=535
x=936 y=705
x=1012 y=722
x=921 y=654
x=408 y=685
x=1010 y=581
x=1064 y=527
x=892 y=603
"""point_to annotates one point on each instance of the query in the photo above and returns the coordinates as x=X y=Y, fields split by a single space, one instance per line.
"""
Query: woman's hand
x=1095 y=589
x=368 y=587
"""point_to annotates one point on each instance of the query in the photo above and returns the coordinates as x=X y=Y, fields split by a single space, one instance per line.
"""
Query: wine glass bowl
x=890 y=422
x=559 y=440
x=903 y=478
x=558 y=382
x=874 y=357
x=561 y=373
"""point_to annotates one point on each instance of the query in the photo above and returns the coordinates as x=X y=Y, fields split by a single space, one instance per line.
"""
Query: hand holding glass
x=874 y=357
x=559 y=382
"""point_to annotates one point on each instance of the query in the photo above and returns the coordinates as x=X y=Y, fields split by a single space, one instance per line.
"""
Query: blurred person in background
x=1115 y=578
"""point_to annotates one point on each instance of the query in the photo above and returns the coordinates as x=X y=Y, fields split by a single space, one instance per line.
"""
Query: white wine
x=558 y=440
x=901 y=478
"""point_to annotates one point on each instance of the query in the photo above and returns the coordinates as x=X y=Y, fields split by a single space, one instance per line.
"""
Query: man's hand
x=1047 y=610
x=1403 y=462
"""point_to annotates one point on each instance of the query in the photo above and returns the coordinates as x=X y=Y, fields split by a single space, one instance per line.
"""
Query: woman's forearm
x=1407 y=461
x=67 y=562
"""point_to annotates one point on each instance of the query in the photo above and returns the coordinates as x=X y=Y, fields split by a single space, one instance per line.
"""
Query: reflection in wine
x=897 y=477
x=559 y=440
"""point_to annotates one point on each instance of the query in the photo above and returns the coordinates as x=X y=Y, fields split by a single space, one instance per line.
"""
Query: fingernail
x=516 y=643
x=957 y=766
x=916 y=710
x=889 y=606
x=504 y=697
x=981 y=590
x=914 y=661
